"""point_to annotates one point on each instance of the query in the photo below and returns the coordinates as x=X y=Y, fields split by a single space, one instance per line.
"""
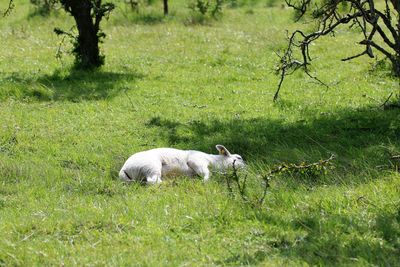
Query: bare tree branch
x=9 y=8
x=361 y=14
x=355 y=56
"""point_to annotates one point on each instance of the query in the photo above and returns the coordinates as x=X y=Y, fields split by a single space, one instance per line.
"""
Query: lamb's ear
x=222 y=150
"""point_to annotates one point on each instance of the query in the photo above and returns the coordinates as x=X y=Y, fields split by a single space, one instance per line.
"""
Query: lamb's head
x=230 y=160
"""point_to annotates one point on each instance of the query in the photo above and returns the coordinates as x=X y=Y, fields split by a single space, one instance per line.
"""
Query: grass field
x=64 y=135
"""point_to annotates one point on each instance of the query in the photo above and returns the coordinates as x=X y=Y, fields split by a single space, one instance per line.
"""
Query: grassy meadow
x=174 y=82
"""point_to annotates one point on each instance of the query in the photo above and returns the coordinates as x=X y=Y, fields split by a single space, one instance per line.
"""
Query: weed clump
x=204 y=11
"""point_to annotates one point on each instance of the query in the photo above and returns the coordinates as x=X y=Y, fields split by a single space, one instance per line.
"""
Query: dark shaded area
x=142 y=18
x=360 y=138
x=340 y=246
x=147 y=19
x=328 y=239
x=75 y=86
x=363 y=140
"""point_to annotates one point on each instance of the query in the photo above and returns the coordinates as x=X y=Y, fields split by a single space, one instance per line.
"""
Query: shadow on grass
x=74 y=86
x=143 y=18
x=340 y=239
x=334 y=240
x=361 y=139
x=148 y=19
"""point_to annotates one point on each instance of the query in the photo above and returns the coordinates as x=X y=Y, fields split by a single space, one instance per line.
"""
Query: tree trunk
x=165 y=7
x=396 y=66
x=87 y=50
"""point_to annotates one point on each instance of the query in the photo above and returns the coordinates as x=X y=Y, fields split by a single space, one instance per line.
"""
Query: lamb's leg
x=206 y=174
x=154 y=179
x=200 y=169
x=153 y=176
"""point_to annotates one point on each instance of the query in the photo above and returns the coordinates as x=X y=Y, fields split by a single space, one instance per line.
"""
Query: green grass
x=64 y=135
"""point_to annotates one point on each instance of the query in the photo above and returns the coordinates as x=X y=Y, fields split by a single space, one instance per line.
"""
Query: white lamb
x=163 y=162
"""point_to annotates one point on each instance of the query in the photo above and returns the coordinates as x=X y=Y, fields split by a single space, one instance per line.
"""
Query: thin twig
x=242 y=187
x=130 y=100
x=366 y=201
x=228 y=184
x=355 y=56
x=387 y=100
x=266 y=186
x=9 y=8
x=65 y=34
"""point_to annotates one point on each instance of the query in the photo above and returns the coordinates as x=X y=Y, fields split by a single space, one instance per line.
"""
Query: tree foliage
x=44 y=7
x=380 y=28
x=214 y=7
